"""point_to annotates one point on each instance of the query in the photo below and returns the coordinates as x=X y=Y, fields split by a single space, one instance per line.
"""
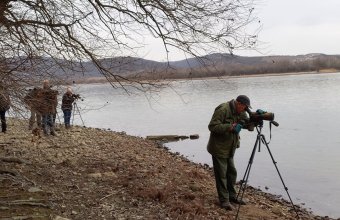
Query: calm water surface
x=306 y=145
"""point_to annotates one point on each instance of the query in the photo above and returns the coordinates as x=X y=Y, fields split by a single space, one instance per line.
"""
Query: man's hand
x=236 y=128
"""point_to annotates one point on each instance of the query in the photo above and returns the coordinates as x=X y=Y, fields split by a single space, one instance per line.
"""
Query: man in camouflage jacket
x=224 y=139
x=47 y=108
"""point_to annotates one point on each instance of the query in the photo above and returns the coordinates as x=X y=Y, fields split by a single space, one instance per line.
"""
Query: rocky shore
x=89 y=173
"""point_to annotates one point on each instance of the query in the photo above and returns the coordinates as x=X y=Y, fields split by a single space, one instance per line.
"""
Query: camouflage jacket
x=222 y=141
x=48 y=101
x=33 y=98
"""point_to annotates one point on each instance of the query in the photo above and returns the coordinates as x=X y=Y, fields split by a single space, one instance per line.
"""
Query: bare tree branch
x=39 y=38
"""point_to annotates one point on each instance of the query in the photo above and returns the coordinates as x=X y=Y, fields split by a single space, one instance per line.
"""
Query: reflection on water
x=305 y=145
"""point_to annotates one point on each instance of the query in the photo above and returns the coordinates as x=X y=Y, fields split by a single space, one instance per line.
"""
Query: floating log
x=168 y=138
x=194 y=136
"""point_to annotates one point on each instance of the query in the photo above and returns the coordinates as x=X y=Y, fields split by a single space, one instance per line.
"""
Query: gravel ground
x=89 y=173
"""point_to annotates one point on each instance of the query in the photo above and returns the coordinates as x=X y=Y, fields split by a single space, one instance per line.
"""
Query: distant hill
x=217 y=64
x=212 y=65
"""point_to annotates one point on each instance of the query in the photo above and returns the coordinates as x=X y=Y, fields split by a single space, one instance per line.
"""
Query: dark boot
x=45 y=129
x=4 y=127
x=53 y=131
x=237 y=201
x=3 y=124
x=227 y=206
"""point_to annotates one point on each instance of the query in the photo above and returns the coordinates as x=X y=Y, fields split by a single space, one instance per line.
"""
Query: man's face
x=240 y=107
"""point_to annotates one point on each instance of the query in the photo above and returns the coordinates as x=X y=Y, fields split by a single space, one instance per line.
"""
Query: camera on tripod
x=77 y=96
x=256 y=119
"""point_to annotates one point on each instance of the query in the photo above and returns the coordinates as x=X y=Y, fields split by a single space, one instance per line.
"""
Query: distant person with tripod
x=225 y=126
x=66 y=106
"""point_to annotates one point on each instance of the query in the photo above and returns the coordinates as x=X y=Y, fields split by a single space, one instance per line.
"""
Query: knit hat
x=244 y=100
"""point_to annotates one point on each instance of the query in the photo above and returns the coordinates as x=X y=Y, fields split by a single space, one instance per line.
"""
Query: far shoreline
x=102 y=79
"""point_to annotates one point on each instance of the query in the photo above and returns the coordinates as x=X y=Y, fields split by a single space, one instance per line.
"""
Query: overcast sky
x=289 y=27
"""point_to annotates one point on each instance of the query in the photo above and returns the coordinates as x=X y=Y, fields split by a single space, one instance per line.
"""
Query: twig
x=28 y=180
x=107 y=196
x=13 y=173
x=266 y=204
x=25 y=217
x=12 y=160
x=26 y=202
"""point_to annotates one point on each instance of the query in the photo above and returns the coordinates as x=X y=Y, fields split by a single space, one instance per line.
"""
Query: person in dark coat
x=66 y=106
x=224 y=138
x=4 y=106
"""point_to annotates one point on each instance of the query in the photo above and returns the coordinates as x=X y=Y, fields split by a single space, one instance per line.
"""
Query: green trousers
x=225 y=177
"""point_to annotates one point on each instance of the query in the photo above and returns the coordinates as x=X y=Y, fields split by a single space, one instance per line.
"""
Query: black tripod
x=260 y=139
x=76 y=108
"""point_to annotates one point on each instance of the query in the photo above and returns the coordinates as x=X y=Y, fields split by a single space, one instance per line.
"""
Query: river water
x=306 y=145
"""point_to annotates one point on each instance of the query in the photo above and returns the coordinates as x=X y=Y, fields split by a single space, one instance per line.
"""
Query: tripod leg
x=79 y=114
x=246 y=174
x=263 y=139
x=57 y=115
x=251 y=159
x=74 y=105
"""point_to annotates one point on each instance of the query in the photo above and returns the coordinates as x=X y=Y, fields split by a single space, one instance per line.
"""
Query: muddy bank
x=89 y=173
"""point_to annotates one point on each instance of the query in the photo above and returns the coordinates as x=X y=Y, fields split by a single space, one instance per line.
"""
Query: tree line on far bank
x=264 y=65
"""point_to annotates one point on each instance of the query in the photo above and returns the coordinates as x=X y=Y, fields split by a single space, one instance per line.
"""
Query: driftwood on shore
x=169 y=138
